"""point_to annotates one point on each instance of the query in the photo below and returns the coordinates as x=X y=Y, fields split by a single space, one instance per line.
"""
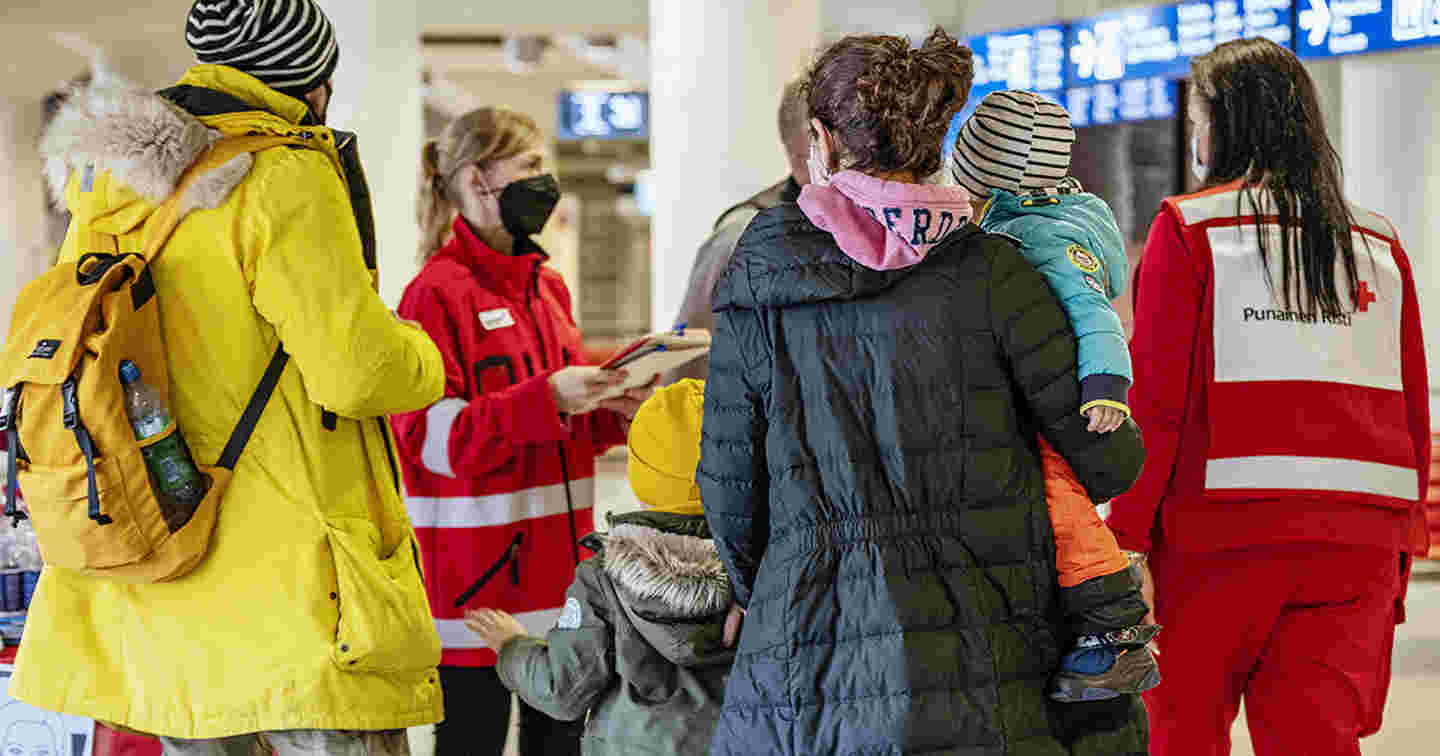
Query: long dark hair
x=887 y=103
x=1266 y=128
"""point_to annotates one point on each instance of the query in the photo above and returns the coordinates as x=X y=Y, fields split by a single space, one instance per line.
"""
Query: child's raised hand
x=1105 y=419
x=495 y=628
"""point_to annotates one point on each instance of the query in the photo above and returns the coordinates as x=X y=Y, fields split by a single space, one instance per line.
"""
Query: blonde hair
x=481 y=136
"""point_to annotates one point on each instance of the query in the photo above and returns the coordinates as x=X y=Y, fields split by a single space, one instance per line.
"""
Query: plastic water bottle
x=172 y=470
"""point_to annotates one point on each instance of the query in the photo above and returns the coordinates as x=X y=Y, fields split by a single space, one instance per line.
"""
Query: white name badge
x=496 y=319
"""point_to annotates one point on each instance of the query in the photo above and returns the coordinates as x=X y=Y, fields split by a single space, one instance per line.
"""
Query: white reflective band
x=439 y=419
x=1211 y=206
x=498 y=509
x=454 y=634
x=1313 y=474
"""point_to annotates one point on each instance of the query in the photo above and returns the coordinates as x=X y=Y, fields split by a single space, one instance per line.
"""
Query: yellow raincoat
x=310 y=610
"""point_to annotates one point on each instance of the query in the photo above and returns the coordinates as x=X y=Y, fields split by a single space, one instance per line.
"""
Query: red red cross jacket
x=498 y=483
x=1262 y=424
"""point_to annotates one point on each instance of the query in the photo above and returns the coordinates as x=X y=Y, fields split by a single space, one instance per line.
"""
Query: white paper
x=26 y=729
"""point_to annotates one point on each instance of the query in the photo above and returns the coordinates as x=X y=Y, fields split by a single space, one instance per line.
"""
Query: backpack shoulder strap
x=251 y=417
x=158 y=231
x=162 y=224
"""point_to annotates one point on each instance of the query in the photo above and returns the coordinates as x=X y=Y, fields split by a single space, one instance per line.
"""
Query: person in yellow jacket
x=307 y=626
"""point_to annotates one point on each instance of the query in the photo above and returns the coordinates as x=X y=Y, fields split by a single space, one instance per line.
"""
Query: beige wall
x=23 y=252
x=718 y=70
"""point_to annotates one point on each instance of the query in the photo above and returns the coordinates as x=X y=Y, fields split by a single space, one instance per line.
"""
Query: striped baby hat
x=288 y=44
x=1016 y=141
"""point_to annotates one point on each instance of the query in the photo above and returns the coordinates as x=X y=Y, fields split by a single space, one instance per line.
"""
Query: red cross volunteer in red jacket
x=499 y=473
x=1284 y=405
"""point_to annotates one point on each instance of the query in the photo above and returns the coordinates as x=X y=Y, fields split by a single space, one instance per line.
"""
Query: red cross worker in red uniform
x=500 y=473
x=1280 y=384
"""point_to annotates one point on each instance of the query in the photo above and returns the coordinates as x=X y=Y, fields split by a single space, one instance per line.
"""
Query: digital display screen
x=603 y=115
x=1345 y=27
x=1121 y=101
x=1159 y=42
x=1031 y=59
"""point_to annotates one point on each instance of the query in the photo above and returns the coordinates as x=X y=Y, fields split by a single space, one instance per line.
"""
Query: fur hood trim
x=682 y=573
x=142 y=140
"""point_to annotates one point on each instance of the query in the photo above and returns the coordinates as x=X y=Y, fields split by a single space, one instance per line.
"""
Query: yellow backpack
x=70 y=443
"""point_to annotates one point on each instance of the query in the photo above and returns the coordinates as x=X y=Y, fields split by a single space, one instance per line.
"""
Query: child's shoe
x=1106 y=666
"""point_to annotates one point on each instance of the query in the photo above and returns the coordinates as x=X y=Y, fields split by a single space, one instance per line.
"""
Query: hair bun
x=914 y=91
x=889 y=103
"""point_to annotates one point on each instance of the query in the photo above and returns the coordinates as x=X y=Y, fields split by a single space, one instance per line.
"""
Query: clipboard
x=656 y=354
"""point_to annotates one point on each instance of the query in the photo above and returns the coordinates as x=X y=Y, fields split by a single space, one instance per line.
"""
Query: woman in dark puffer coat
x=880 y=372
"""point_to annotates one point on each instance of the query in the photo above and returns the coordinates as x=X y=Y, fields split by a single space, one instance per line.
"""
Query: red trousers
x=1302 y=632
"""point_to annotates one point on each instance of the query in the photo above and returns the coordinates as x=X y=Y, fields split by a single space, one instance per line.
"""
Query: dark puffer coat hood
x=791 y=262
x=871 y=479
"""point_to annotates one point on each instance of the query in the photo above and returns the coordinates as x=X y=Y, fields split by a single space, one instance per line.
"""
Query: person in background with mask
x=714 y=255
x=1280 y=381
x=500 y=472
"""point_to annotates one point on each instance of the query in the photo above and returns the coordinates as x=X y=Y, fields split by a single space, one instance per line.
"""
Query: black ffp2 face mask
x=526 y=205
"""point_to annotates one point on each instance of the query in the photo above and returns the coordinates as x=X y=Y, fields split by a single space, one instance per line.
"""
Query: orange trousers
x=1084 y=546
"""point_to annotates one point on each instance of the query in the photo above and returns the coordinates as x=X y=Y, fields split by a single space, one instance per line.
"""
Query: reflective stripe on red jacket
x=489 y=489
x=1264 y=424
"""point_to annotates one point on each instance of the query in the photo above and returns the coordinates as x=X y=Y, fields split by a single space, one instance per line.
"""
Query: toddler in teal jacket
x=1013 y=156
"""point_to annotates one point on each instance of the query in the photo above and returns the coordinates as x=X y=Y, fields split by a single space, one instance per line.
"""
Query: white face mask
x=819 y=174
x=1201 y=170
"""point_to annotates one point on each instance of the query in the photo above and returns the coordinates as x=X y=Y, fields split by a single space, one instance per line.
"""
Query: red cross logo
x=1365 y=297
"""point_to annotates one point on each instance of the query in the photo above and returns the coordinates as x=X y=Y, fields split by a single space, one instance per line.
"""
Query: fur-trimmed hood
x=673 y=587
x=670 y=574
x=112 y=155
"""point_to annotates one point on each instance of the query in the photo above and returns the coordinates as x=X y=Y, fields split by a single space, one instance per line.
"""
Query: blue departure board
x=1120 y=101
x=1344 y=27
x=1031 y=59
x=1159 y=42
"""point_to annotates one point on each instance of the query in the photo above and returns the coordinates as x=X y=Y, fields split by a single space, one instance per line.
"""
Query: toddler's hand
x=495 y=628
x=1105 y=419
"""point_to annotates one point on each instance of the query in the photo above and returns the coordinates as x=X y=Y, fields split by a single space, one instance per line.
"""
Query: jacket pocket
x=510 y=556
x=495 y=373
x=385 y=623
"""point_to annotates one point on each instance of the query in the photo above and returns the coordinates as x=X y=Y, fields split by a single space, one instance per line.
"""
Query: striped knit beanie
x=288 y=44
x=1016 y=141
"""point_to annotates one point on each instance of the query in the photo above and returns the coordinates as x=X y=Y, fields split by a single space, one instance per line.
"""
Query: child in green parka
x=641 y=643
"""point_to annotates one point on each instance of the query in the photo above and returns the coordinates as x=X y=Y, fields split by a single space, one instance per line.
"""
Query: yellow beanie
x=665 y=448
